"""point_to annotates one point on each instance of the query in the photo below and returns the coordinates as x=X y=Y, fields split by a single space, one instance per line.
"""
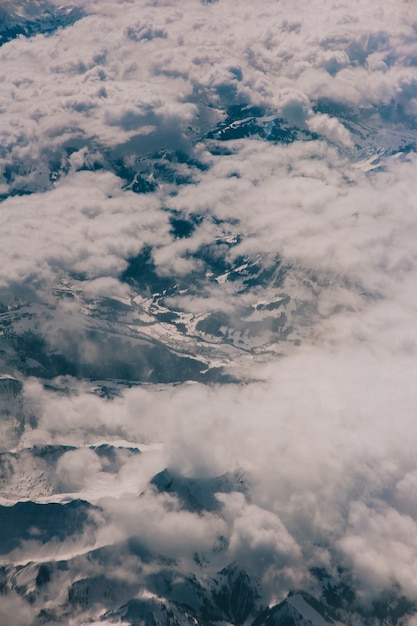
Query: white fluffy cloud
x=159 y=66
x=86 y=226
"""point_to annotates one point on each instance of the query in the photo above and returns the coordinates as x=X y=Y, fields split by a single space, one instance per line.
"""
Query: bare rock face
x=10 y=388
x=11 y=412
x=236 y=595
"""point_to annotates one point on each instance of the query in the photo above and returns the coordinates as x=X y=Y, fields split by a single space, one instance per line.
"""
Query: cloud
x=162 y=527
x=77 y=469
x=308 y=460
x=92 y=228
x=15 y=610
x=372 y=526
x=330 y=128
x=73 y=86
x=257 y=532
x=275 y=139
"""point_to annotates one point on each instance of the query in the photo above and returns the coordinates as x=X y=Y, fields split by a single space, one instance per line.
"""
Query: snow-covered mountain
x=31 y=17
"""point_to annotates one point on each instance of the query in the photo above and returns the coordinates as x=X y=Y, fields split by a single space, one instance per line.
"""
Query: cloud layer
x=219 y=195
